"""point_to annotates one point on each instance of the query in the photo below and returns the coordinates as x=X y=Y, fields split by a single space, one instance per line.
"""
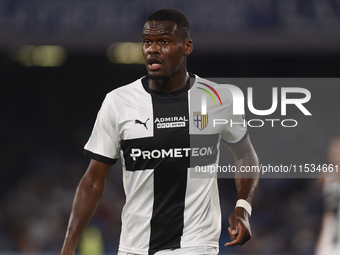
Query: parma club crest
x=200 y=120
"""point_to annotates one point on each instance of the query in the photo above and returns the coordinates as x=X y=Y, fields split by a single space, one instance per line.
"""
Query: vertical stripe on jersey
x=170 y=178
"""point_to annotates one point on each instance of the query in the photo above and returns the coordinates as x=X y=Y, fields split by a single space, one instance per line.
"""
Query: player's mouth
x=154 y=63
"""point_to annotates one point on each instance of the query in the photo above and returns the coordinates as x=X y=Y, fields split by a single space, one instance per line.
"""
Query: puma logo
x=143 y=123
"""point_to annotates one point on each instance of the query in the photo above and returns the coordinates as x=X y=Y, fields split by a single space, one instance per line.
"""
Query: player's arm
x=246 y=185
x=89 y=192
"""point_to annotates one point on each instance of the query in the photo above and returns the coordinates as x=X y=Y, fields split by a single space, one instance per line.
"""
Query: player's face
x=164 y=49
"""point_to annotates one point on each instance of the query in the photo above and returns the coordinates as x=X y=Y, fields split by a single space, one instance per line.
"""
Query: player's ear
x=188 y=46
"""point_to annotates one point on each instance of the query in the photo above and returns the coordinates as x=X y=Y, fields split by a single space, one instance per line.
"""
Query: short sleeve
x=235 y=132
x=103 y=144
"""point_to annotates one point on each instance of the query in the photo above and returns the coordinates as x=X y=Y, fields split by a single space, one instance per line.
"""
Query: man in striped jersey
x=154 y=126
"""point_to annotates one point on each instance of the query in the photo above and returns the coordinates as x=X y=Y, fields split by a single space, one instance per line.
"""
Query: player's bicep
x=97 y=172
x=242 y=148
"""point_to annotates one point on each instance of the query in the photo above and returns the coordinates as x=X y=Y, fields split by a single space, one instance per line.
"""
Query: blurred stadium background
x=59 y=58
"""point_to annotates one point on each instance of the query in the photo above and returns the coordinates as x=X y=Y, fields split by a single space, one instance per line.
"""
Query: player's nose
x=154 y=48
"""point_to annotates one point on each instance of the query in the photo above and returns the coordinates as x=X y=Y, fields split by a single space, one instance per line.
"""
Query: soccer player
x=329 y=239
x=154 y=127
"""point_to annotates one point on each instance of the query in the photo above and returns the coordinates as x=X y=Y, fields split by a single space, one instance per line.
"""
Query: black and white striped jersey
x=159 y=137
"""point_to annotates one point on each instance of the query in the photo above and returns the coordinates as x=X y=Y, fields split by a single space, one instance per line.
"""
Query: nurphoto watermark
x=225 y=109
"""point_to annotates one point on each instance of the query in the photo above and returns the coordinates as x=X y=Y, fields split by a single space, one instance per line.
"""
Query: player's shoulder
x=215 y=87
x=128 y=90
x=128 y=87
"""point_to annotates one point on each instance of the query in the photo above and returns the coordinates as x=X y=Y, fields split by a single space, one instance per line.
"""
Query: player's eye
x=165 y=41
x=147 y=41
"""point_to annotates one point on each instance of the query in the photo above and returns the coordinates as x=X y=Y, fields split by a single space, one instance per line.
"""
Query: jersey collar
x=173 y=94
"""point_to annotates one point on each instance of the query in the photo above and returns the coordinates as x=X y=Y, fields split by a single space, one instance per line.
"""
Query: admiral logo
x=171 y=122
x=171 y=153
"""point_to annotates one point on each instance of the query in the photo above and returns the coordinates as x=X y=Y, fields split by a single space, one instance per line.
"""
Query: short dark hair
x=176 y=16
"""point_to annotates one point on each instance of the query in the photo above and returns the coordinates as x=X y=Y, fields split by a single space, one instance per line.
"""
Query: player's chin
x=155 y=75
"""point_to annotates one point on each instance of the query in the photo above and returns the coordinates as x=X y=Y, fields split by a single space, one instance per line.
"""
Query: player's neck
x=173 y=83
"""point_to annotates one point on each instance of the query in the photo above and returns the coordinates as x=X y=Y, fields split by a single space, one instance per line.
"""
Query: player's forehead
x=156 y=28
